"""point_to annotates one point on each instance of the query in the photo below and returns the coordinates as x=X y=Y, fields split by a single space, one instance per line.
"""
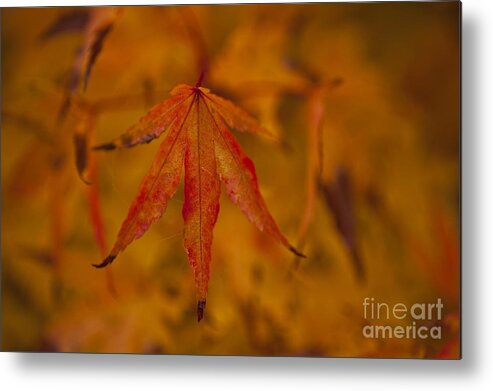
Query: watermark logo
x=421 y=318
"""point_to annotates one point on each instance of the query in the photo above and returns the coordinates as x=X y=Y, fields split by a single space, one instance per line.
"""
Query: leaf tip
x=200 y=309
x=106 y=262
x=296 y=252
x=84 y=179
x=105 y=147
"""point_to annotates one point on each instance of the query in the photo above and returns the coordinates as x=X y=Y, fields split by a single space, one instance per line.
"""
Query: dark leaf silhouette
x=339 y=199
x=95 y=25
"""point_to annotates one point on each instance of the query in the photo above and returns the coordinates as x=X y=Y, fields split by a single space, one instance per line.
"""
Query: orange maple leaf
x=197 y=124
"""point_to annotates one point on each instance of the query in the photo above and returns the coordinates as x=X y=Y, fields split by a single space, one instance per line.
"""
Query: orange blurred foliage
x=363 y=100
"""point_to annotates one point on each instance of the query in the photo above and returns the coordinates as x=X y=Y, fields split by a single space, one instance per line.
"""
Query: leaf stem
x=201 y=79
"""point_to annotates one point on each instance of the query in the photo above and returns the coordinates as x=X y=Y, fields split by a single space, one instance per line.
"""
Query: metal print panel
x=266 y=180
